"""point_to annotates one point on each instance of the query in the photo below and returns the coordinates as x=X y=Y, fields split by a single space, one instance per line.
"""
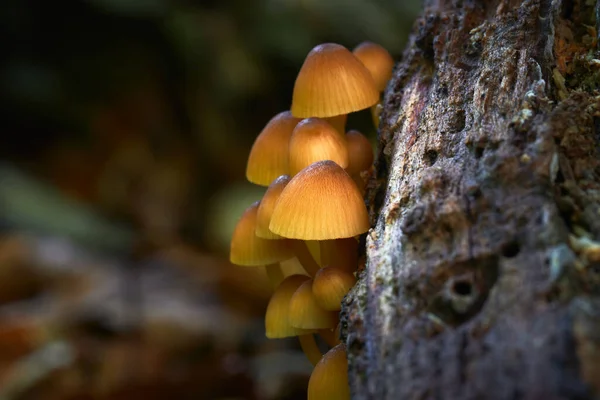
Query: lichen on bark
x=482 y=277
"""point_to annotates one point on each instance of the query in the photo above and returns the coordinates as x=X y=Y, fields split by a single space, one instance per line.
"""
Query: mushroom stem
x=314 y=247
x=329 y=336
x=306 y=259
x=275 y=274
x=310 y=348
x=340 y=253
x=338 y=122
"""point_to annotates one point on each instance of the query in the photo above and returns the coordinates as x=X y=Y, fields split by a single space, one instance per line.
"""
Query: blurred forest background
x=126 y=125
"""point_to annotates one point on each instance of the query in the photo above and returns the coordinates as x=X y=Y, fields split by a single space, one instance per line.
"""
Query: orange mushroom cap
x=360 y=152
x=378 y=61
x=321 y=202
x=315 y=140
x=277 y=321
x=250 y=250
x=329 y=287
x=267 y=205
x=329 y=379
x=305 y=312
x=269 y=154
x=332 y=81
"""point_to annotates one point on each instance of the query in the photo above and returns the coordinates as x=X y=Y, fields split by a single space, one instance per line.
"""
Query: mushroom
x=360 y=156
x=380 y=63
x=265 y=210
x=360 y=152
x=247 y=249
x=331 y=82
x=269 y=157
x=313 y=140
x=267 y=204
x=329 y=287
x=305 y=312
x=277 y=319
x=321 y=203
x=377 y=60
x=329 y=379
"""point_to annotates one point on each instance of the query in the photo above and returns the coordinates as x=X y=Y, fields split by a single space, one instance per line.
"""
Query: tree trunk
x=482 y=275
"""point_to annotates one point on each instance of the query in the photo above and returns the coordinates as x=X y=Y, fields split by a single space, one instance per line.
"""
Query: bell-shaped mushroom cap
x=305 y=313
x=277 y=322
x=360 y=152
x=330 y=285
x=267 y=205
x=269 y=154
x=329 y=379
x=332 y=81
x=250 y=250
x=321 y=202
x=315 y=140
x=377 y=60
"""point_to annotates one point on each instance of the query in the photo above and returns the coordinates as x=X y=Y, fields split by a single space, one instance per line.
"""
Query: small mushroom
x=378 y=61
x=360 y=156
x=305 y=311
x=278 y=321
x=329 y=379
x=247 y=249
x=267 y=204
x=360 y=152
x=380 y=64
x=332 y=81
x=315 y=140
x=321 y=203
x=265 y=211
x=269 y=156
x=329 y=287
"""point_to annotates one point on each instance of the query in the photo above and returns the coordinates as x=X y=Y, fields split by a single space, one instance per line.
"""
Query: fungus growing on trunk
x=331 y=82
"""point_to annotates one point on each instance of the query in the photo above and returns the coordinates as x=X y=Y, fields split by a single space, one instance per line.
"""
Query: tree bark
x=482 y=274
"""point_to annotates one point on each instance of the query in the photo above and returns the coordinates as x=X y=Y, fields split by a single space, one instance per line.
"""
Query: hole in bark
x=462 y=288
x=462 y=296
x=479 y=152
x=459 y=122
x=430 y=157
x=511 y=249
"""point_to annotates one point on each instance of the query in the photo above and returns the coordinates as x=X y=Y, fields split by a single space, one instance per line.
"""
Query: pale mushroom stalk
x=310 y=348
x=305 y=258
x=274 y=273
x=340 y=253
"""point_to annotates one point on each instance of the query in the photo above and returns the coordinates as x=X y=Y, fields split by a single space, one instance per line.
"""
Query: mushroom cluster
x=313 y=208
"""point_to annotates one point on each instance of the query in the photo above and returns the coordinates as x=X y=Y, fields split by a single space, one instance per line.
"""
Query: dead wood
x=482 y=278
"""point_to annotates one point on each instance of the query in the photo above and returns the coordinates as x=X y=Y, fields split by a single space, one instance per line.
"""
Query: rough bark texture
x=482 y=278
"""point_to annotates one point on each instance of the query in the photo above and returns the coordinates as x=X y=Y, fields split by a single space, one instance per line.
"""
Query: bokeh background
x=126 y=125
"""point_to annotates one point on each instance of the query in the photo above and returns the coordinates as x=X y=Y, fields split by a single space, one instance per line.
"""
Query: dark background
x=126 y=125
